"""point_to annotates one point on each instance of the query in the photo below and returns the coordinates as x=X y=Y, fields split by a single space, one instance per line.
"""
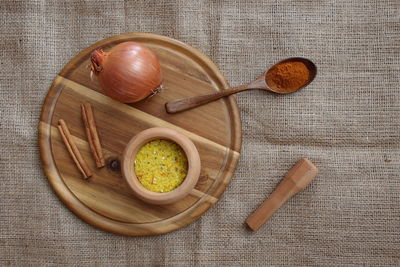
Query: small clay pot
x=128 y=168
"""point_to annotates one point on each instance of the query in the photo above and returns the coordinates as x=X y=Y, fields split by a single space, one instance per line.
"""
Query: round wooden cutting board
x=105 y=200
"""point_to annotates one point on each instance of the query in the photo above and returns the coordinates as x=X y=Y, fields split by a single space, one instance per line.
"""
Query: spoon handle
x=182 y=104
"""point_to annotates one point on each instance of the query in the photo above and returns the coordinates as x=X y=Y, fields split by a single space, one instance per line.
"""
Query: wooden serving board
x=105 y=200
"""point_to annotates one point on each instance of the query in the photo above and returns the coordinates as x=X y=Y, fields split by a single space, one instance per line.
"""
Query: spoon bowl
x=272 y=86
x=286 y=76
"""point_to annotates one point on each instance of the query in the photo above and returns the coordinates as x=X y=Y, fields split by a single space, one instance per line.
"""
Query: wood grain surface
x=105 y=199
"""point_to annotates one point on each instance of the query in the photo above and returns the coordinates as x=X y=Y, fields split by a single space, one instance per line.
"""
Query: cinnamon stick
x=92 y=135
x=73 y=150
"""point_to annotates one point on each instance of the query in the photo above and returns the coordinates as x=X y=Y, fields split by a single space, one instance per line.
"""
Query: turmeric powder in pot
x=161 y=165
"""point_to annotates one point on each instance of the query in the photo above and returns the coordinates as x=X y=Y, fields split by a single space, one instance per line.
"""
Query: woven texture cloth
x=347 y=122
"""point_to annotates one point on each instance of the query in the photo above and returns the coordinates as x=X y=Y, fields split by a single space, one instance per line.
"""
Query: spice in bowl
x=161 y=165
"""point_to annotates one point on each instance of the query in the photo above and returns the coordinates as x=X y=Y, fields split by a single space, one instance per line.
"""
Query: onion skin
x=128 y=73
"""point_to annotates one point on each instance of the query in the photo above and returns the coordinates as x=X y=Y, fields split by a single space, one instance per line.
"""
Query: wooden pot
x=128 y=165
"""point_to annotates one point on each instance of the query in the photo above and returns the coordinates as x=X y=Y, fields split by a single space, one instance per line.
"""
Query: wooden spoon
x=267 y=82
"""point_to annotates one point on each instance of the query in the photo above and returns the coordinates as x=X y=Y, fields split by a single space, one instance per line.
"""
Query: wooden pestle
x=298 y=178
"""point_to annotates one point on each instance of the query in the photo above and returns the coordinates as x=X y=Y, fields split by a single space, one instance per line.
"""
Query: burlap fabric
x=347 y=122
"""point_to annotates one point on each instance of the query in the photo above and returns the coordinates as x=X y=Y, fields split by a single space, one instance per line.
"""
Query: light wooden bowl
x=128 y=166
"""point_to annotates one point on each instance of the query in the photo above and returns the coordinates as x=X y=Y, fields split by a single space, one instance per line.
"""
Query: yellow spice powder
x=161 y=165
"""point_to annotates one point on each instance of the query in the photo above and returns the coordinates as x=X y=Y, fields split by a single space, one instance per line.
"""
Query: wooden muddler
x=298 y=177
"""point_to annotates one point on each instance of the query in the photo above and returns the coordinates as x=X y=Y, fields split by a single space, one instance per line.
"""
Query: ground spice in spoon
x=288 y=76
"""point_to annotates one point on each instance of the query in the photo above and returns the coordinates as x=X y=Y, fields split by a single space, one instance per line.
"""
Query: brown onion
x=129 y=72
